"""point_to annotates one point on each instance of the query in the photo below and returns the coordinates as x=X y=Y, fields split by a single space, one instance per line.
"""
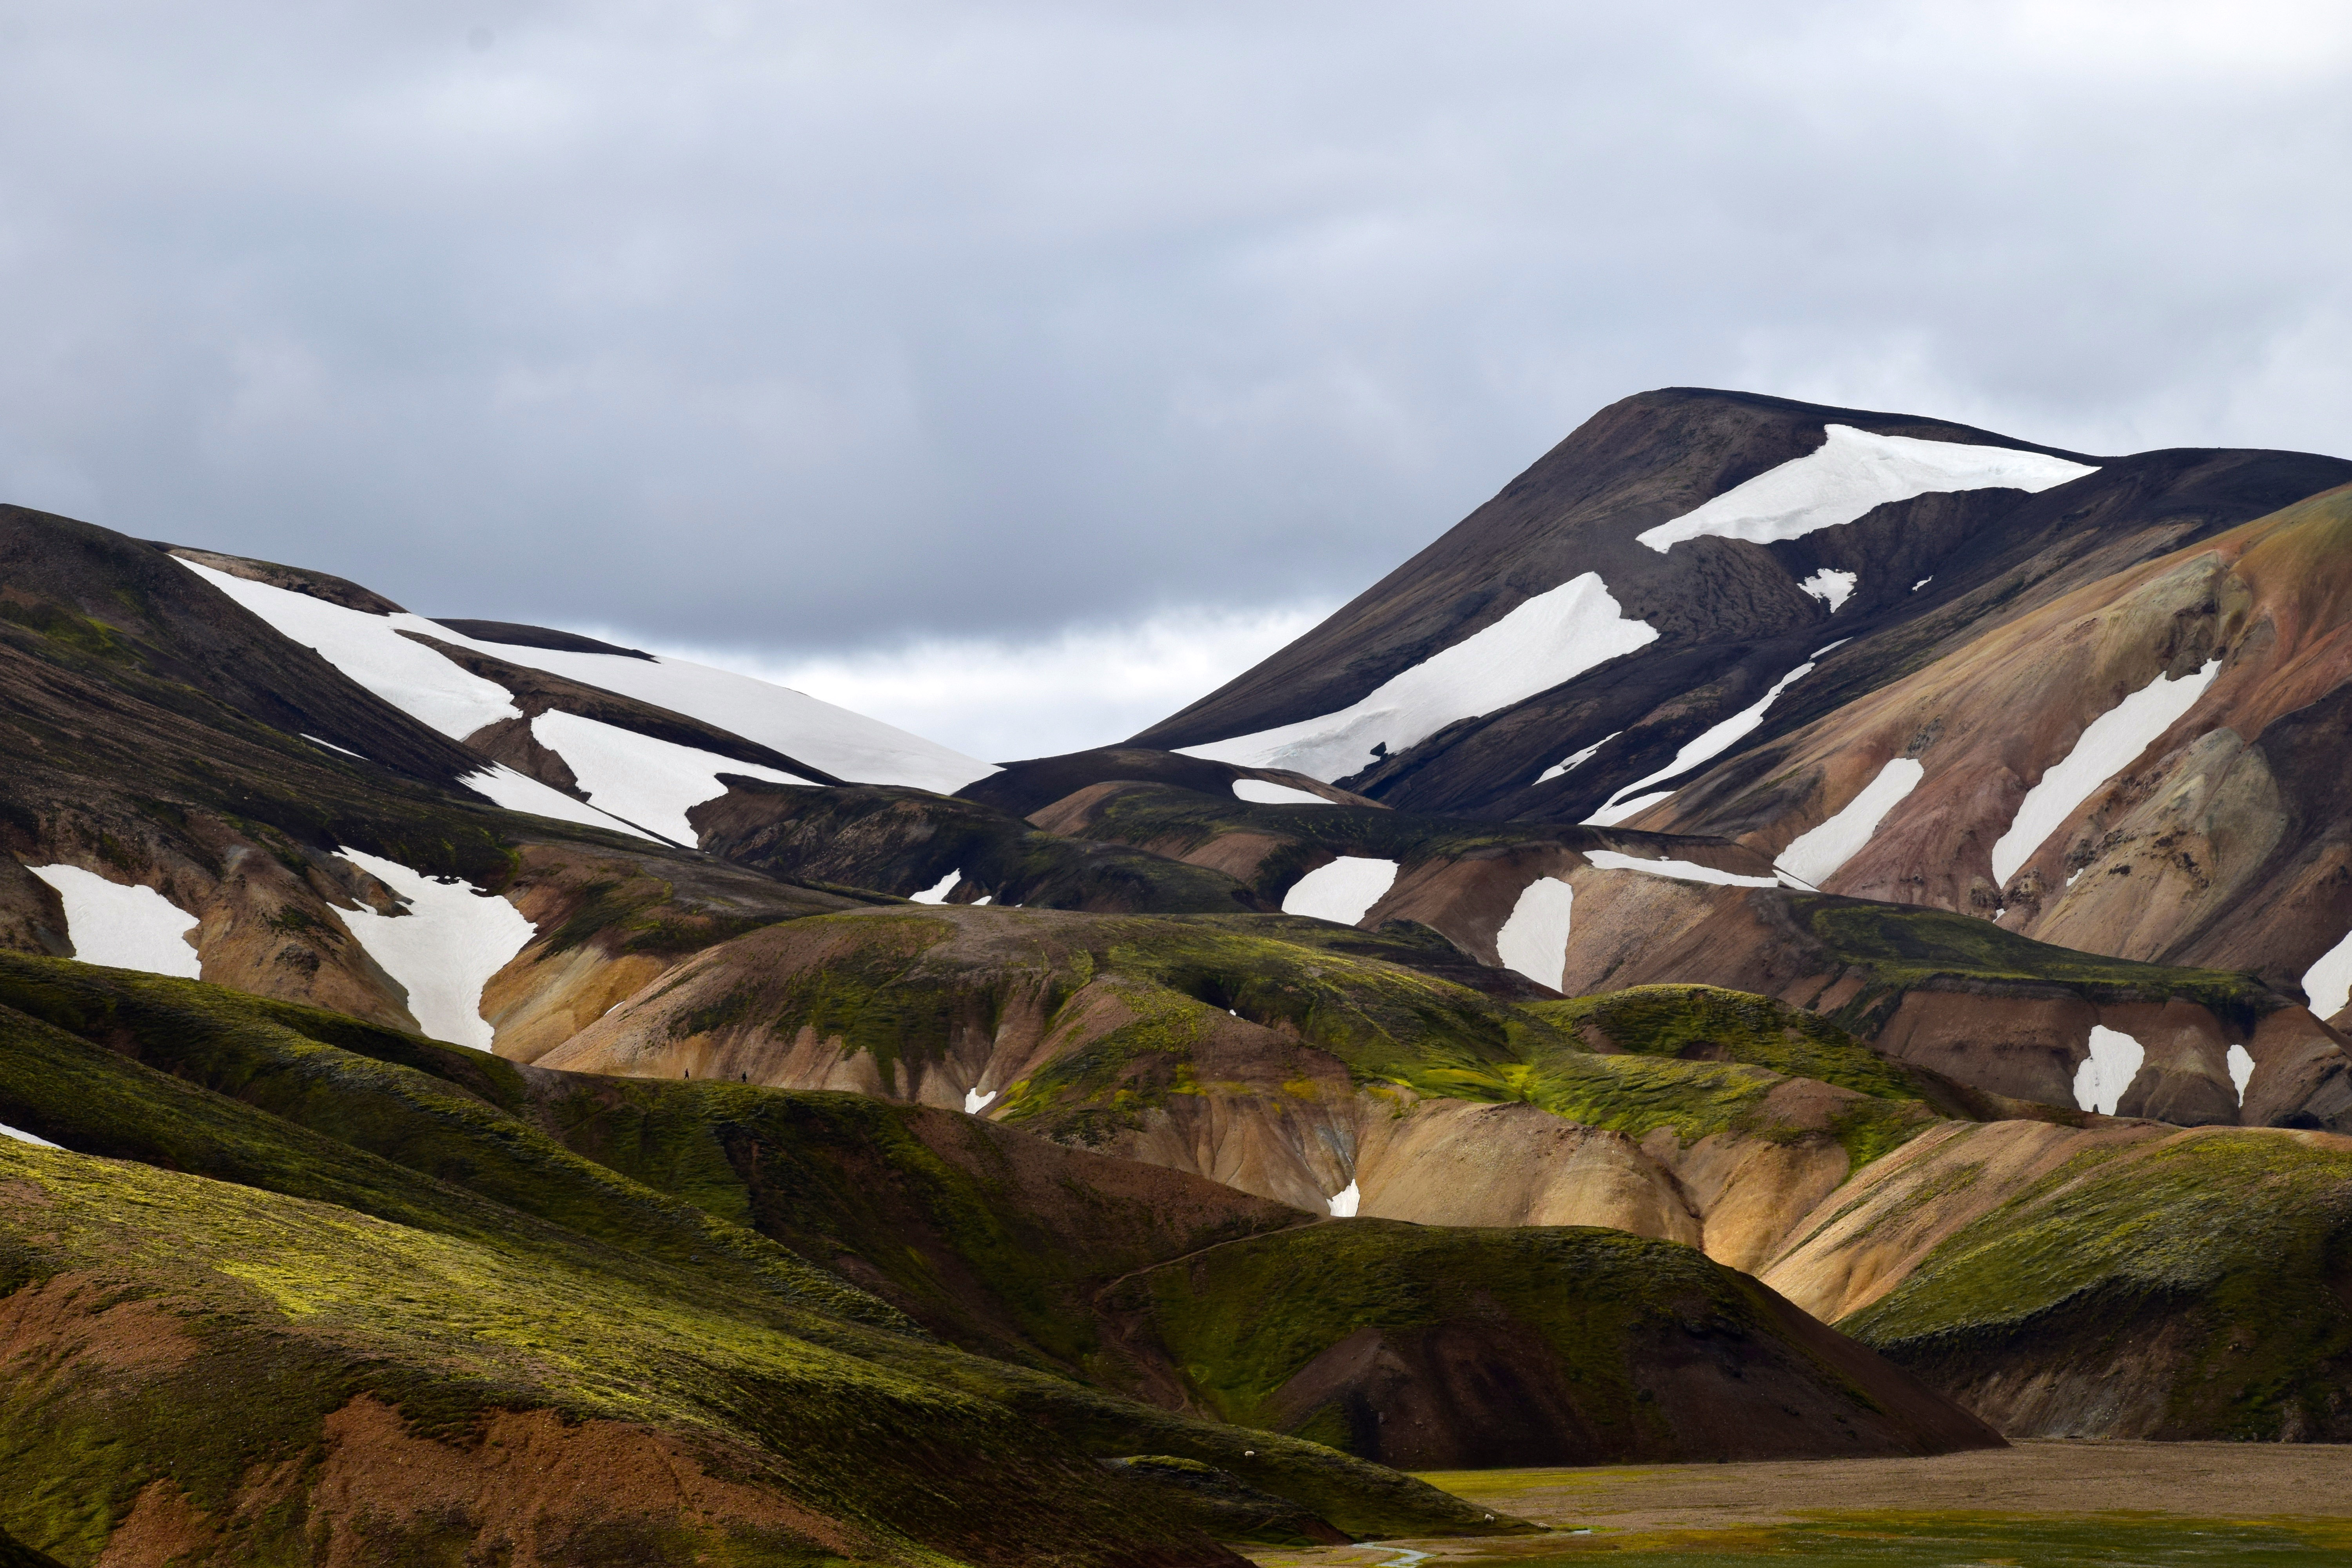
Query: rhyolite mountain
x=1792 y=931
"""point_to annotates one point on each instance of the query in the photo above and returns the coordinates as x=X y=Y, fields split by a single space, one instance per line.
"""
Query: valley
x=1803 y=950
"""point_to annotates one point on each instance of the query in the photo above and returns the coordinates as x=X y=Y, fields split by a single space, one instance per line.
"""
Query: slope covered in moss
x=2194 y=1286
x=1431 y=1347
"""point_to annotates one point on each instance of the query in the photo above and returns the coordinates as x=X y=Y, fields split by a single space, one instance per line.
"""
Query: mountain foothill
x=1789 y=932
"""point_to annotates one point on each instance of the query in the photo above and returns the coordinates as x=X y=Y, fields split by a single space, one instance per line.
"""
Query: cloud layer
x=805 y=327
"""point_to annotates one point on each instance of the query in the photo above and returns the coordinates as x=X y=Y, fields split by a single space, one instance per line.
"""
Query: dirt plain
x=2039 y=1504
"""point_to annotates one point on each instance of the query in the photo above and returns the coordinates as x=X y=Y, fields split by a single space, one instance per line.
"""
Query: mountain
x=1791 y=932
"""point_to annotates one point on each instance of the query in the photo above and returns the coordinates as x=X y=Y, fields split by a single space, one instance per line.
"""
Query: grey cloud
x=825 y=324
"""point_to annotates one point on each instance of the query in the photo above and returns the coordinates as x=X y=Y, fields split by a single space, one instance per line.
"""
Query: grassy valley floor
x=2036 y=1505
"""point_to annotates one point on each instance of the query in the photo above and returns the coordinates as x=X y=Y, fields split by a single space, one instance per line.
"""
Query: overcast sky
x=1004 y=367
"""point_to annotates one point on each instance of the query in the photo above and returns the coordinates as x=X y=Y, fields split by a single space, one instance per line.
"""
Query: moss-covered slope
x=386 y=1248
x=1464 y=1348
x=2198 y=1285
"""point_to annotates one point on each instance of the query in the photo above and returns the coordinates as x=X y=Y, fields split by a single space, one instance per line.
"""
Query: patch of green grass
x=1708 y=1022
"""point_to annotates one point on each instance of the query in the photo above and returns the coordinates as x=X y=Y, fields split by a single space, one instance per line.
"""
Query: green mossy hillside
x=1899 y=948
x=1543 y=1345
x=454 y=1259
x=2206 y=1279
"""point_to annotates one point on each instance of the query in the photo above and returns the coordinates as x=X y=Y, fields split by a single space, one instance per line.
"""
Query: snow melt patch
x=371 y=650
x=1266 y=791
x=1831 y=588
x=2329 y=983
x=1344 y=1201
x=1554 y=636
x=520 y=791
x=1534 y=941
x=1680 y=870
x=1341 y=891
x=1922 y=581
x=646 y=781
x=1576 y=759
x=1850 y=472
x=123 y=926
x=974 y=1102
x=330 y=746
x=937 y=893
x=2109 y=743
x=425 y=686
x=443 y=949
x=1716 y=740
x=2242 y=1071
x=1814 y=857
x=23 y=1137
x=2115 y=1061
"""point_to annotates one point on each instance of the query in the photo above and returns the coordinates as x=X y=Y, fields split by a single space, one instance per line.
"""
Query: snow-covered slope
x=443 y=948
x=1550 y=638
x=370 y=649
x=1850 y=473
x=127 y=926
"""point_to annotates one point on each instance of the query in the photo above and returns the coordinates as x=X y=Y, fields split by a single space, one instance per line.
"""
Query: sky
x=1018 y=371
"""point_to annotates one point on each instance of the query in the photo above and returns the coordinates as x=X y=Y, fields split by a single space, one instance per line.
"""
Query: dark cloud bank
x=798 y=326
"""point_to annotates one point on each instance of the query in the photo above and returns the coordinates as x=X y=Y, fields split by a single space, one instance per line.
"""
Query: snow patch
x=1814 y=857
x=1344 y=1201
x=1716 y=740
x=520 y=791
x=443 y=949
x=1534 y=941
x=1827 y=646
x=638 y=777
x=425 y=686
x=1831 y=588
x=1266 y=791
x=21 y=1136
x=2109 y=743
x=2242 y=1071
x=974 y=1102
x=937 y=893
x=1554 y=636
x=371 y=650
x=332 y=747
x=1341 y=891
x=1577 y=758
x=2115 y=1061
x=123 y=926
x=1680 y=870
x=1850 y=473
x=1922 y=581
x=2329 y=983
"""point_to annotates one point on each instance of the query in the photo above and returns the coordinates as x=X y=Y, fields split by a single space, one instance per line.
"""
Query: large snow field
x=1680 y=870
x=521 y=792
x=1266 y=791
x=1534 y=941
x=2115 y=1061
x=1341 y=891
x=371 y=650
x=422 y=683
x=2108 y=744
x=1716 y=740
x=648 y=782
x=123 y=925
x=1554 y=636
x=1814 y=856
x=444 y=950
x=2328 y=981
x=1849 y=474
